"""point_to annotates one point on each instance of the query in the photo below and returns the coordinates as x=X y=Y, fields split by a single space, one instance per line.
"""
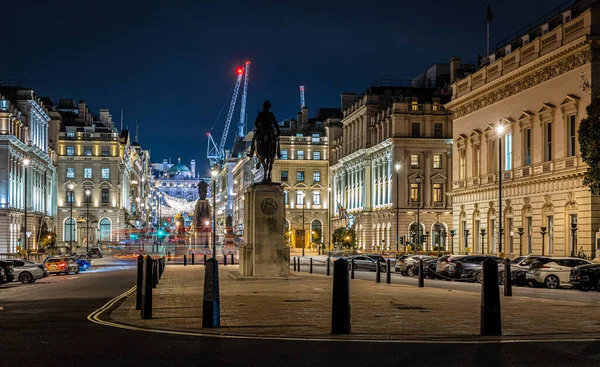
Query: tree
x=344 y=238
x=589 y=137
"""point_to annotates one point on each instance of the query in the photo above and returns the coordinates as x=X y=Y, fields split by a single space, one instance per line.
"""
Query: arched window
x=316 y=230
x=104 y=229
x=438 y=234
x=70 y=230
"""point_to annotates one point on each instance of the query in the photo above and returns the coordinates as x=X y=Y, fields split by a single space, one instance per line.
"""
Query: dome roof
x=176 y=168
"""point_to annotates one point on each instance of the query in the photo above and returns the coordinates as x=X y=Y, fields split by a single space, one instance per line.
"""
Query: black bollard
x=328 y=263
x=224 y=260
x=211 y=305
x=184 y=260
x=378 y=273
x=310 y=268
x=140 y=282
x=295 y=267
x=298 y=264
x=155 y=272
x=146 y=311
x=388 y=273
x=169 y=254
x=159 y=267
x=340 y=305
x=421 y=274
x=491 y=320
x=232 y=259
x=507 y=279
x=193 y=259
x=352 y=266
x=204 y=262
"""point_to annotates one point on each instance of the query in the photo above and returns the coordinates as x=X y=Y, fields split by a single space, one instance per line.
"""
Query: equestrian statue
x=265 y=142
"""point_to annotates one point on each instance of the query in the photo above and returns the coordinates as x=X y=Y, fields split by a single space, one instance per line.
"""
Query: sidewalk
x=302 y=308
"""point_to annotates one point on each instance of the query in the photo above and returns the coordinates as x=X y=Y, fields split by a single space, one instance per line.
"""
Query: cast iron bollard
x=204 y=262
x=507 y=279
x=159 y=267
x=169 y=255
x=184 y=260
x=155 y=272
x=211 y=305
x=146 y=311
x=232 y=259
x=340 y=305
x=298 y=263
x=224 y=260
x=193 y=259
x=421 y=274
x=388 y=273
x=310 y=268
x=140 y=282
x=295 y=267
x=378 y=273
x=328 y=263
x=491 y=319
x=352 y=270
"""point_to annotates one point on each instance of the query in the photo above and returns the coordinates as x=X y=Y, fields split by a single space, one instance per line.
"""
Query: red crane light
x=240 y=70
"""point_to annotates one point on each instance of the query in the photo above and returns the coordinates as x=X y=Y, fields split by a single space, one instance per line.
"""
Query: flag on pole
x=342 y=211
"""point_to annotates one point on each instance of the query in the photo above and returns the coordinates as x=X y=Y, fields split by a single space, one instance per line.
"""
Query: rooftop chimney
x=455 y=64
x=347 y=100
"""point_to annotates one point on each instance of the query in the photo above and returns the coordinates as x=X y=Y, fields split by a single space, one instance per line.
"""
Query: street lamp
x=500 y=130
x=482 y=232
x=418 y=181
x=214 y=174
x=520 y=231
x=329 y=219
x=426 y=242
x=467 y=240
x=452 y=234
x=397 y=166
x=88 y=198
x=573 y=231
x=71 y=220
x=543 y=233
x=26 y=162
x=438 y=229
x=303 y=232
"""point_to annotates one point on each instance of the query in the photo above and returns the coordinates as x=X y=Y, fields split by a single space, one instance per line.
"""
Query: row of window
x=415 y=161
x=437 y=193
x=87 y=151
x=300 y=176
x=87 y=172
x=438 y=130
x=87 y=199
x=316 y=155
x=300 y=195
x=70 y=229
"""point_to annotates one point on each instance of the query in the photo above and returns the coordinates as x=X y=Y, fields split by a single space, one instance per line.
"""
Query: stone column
x=368 y=185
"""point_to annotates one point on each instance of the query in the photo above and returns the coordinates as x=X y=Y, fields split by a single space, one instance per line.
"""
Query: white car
x=27 y=271
x=552 y=272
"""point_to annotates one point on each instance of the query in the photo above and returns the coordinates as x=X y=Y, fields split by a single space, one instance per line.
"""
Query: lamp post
x=467 y=240
x=303 y=232
x=543 y=233
x=573 y=240
x=397 y=166
x=426 y=238
x=214 y=174
x=88 y=198
x=452 y=234
x=482 y=232
x=71 y=219
x=329 y=220
x=500 y=130
x=26 y=162
x=520 y=231
x=418 y=181
x=438 y=229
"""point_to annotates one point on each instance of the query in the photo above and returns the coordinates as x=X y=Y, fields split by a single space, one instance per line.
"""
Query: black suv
x=585 y=277
x=9 y=272
x=469 y=267
x=95 y=252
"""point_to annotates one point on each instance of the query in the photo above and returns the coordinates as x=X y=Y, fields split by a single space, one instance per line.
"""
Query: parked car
x=27 y=271
x=2 y=276
x=95 y=252
x=552 y=272
x=363 y=262
x=585 y=277
x=518 y=268
x=410 y=265
x=442 y=265
x=61 y=264
x=82 y=261
x=469 y=266
x=9 y=272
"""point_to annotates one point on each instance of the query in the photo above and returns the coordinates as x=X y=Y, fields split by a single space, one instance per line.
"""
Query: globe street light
x=500 y=130
x=573 y=232
x=482 y=232
x=397 y=166
x=26 y=162
x=71 y=220
x=520 y=231
x=88 y=198
x=214 y=174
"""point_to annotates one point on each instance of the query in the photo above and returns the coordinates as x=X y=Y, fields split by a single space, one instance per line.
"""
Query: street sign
x=28 y=234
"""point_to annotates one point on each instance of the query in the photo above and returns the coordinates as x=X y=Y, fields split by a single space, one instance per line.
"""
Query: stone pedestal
x=264 y=253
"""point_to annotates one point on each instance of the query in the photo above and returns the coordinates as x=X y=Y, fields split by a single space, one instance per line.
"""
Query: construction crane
x=242 y=123
x=214 y=153
x=302 y=102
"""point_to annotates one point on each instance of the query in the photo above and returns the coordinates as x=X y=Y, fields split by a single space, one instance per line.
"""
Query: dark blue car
x=83 y=262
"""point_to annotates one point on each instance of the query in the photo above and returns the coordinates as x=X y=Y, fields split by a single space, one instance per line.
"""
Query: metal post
x=500 y=233
x=421 y=275
x=418 y=179
x=482 y=232
x=507 y=279
x=397 y=207
x=520 y=232
x=340 y=305
x=303 y=230
x=543 y=233
x=573 y=244
x=214 y=226
x=232 y=259
x=193 y=259
x=388 y=273
x=352 y=270
x=329 y=220
x=491 y=321
x=311 y=266
x=295 y=267
x=25 y=205
x=378 y=273
x=328 y=263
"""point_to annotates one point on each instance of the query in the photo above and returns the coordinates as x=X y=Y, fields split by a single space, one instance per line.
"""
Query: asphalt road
x=45 y=324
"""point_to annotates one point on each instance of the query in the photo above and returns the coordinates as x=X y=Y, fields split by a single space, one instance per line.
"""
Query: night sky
x=171 y=64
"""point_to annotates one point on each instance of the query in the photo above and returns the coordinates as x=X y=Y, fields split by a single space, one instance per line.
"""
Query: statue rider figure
x=264 y=121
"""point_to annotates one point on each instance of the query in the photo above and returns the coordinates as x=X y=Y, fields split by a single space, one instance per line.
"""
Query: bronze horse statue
x=266 y=140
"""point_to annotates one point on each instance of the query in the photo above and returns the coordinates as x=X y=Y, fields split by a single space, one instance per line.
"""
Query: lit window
x=437 y=193
x=300 y=176
x=87 y=172
x=461 y=167
x=317 y=176
x=508 y=152
x=437 y=161
x=315 y=138
x=317 y=155
x=105 y=172
x=70 y=172
x=105 y=151
x=70 y=133
x=284 y=154
x=87 y=151
x=284 y=176
x=414 y=192
x=69 y=194
x=415 y=162
x=316 y=199
x=300 y=154
x=299 y=197
x=70 y=150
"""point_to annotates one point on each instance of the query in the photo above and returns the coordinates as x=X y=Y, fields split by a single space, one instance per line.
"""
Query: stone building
x=532 y=88
x=395 y=123
x=28 y=173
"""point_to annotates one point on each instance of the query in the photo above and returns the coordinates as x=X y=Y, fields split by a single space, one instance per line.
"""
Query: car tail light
x=62 y=265
x=546 y=267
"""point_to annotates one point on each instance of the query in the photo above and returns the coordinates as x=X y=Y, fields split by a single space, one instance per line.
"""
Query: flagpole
x=488 y=17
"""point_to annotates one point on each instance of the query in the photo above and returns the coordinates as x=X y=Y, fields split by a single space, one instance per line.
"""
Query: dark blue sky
x=170 y=64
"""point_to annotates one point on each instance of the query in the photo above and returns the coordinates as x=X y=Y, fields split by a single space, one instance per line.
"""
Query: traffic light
x=402 y=240
x=161 y=233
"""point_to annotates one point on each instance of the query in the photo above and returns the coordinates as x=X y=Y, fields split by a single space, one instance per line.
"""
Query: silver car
x=26 y=271
x=365 y=262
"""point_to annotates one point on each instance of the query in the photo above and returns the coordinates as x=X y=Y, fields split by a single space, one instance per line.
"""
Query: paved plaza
x=301 y=307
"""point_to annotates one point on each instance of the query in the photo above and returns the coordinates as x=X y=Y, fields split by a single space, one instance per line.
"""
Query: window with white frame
x=317 y=155
x=70 y=150
x=106 y=151
x=300 y=154
x=87 y=172
x=87 y=151
x=105 y=172
x=437 y=193
x=316 y=176
x=415 y=161
x=508 y=152
x=316 y=198
x=70 y=172
x=284 y=154
x=437 y=161
x=300 y=176
x=299 y=197
x=70 y=133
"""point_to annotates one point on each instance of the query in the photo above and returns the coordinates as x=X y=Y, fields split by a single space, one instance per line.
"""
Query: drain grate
x=297 y=300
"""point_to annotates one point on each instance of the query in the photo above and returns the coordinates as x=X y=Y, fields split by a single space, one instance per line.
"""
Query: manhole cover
x=297 y=300
x=412 y=308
